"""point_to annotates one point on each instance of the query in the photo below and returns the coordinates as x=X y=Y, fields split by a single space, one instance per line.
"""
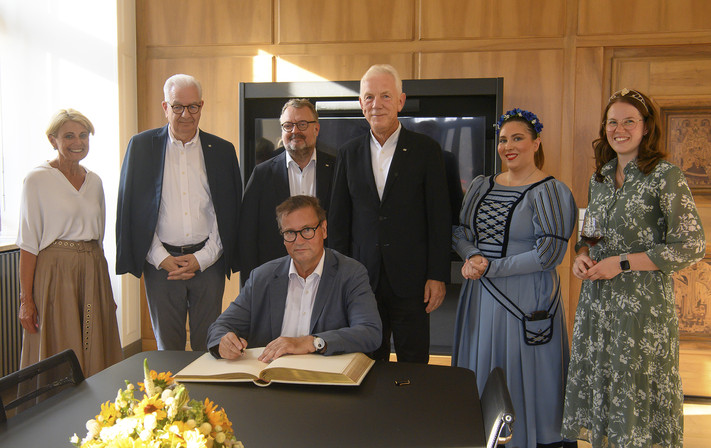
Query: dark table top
x=439 y=408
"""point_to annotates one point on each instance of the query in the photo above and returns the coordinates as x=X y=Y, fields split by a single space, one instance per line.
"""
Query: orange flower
x=216 y=417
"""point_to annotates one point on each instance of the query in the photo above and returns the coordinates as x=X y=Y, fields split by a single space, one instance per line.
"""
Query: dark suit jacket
x=259 y=238
x=345 y=314
x=140 y=189
x=409 y=230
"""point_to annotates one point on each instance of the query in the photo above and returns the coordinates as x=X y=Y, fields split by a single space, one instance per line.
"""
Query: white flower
x=74 y=439
x=93 y=427
x=149 y=421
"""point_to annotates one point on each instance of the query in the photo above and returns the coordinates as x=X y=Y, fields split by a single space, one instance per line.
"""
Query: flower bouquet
x=166 y=417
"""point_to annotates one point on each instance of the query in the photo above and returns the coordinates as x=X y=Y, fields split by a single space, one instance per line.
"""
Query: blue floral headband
x=526 y=115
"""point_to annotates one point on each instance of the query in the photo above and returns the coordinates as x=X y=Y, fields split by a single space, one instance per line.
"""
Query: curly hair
x=651 y=148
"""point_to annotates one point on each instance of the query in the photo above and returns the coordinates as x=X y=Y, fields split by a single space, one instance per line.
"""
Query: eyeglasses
x=627 y=123
x=306 y=233
x=179 y=108
x=302 y=125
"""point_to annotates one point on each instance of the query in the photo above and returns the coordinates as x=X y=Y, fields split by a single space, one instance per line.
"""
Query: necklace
x=522 y=181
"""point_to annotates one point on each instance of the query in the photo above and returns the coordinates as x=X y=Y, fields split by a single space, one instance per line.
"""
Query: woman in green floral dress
x=624 y=388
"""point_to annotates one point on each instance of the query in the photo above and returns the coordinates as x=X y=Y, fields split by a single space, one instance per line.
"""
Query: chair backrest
x=45 y=377
x=497 y=409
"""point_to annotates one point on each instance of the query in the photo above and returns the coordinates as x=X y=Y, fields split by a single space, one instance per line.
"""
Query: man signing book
x=312 y=300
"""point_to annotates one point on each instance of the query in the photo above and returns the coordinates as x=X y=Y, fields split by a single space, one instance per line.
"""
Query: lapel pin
x=404 y=149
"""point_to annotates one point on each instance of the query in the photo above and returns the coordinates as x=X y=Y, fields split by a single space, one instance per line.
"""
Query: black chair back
x=45 y=377
x=497 y=409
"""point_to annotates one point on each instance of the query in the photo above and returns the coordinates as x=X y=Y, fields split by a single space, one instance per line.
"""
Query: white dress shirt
x=382 y=157
x=300 y=297
x=186 y=214
x=301 y=181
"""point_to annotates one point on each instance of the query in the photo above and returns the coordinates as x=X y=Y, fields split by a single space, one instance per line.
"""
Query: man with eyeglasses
x=299 y=168
x=314 y=300
x=178 y=210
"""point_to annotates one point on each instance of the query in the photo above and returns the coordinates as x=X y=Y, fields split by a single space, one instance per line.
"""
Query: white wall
x=69 y=53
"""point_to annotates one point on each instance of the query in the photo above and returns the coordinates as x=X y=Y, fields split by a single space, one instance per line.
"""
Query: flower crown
x=631 y=94
x=526 y=115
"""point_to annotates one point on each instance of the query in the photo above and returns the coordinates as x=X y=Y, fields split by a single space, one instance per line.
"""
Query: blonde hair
x=65 y=115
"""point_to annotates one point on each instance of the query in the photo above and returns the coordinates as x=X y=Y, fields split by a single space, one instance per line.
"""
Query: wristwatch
x=624 y=263
x=319 y=344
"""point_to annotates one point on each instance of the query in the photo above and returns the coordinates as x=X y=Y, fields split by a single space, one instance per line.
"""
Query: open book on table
x=340 y=370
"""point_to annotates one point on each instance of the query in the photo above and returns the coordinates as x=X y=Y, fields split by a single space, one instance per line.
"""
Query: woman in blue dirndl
x=513 y=233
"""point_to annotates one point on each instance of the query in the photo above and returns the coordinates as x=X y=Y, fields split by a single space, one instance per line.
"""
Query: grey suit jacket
x=345 y=314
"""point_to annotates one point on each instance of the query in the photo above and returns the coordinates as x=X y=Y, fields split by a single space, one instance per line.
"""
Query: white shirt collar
x=289 y=159
x=318 y=271
x=391 y=141
x=175 y=141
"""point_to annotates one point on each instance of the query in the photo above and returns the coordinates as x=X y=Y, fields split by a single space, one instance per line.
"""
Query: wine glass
x=592 y=230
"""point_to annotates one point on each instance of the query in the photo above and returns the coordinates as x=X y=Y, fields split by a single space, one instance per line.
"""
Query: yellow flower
x=108 y=414
x=162 y=379
x=217 y=418
x=151 y=422
x=150 y=405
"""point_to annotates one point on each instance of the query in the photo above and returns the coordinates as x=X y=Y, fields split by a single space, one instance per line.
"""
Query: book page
x=207 y=368
x=346 y=369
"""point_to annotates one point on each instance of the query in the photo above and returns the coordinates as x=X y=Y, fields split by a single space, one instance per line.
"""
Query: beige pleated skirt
x=75 y=306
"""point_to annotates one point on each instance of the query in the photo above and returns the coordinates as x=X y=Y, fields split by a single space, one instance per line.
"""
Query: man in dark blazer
x=313 y=300
x=300 y=169
x=390 y=211
x=178 y=210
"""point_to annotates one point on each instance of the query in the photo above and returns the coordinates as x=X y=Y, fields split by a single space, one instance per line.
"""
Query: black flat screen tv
x=459 y=113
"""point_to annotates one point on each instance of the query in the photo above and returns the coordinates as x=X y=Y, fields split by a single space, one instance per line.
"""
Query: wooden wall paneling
x=589 y=94
x=219 y=78
x=630 y=73
x=310 y=21
x=610 y=17
x=335 y=67
x=533 y=80
x=188 y=22
x=686 y=15
x=689 y=77
x=471 y=19
x=589 y=81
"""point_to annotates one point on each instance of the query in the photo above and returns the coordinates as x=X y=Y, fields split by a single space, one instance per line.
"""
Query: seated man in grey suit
x=312 y=300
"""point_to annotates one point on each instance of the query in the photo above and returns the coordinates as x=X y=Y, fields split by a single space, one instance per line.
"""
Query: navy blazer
x=345 y=314
x=140 y=189
x=259 y=238
x=410 y=229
